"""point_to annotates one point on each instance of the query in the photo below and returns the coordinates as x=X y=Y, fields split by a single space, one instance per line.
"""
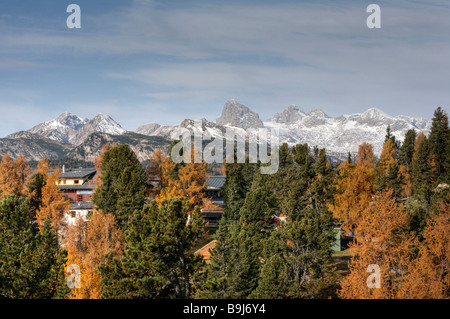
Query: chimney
x=63 y=169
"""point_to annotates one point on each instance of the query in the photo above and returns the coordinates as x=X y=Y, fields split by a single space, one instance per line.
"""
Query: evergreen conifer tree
x=439 y=140
x=123 y=184
x=406 y=152
x=31 y=264
x=157 y=261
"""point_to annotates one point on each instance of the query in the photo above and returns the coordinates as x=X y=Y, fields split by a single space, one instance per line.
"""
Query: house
x=205 y=251
x=213 y=213
x=77 y=186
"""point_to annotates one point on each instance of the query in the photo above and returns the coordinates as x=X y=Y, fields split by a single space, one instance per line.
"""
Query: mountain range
x=70 y=136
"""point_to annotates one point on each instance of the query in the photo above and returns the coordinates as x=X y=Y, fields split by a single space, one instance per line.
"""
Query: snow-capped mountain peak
x=70 y=128
x=238 y=115
x=342 y=134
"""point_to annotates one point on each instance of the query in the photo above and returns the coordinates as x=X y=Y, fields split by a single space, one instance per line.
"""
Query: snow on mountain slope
x=344 y=133
x=69 y=128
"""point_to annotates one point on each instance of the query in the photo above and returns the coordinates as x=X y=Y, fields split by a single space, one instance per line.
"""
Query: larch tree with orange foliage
x=381 y=245
x=388 y=173
x=53 y=204
x=158 y=172
x=428 y=276
x=188 y=181
x=14 y=175
x=88 y=241
x=354 y=188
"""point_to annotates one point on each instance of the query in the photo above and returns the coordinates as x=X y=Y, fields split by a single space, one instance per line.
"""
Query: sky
x=143 y=61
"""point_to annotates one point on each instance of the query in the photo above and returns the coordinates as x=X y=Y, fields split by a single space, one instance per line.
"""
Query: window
x=79 y=198
x=73 y=214
x=76 y=182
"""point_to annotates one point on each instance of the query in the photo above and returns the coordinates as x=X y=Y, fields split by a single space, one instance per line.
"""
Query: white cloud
x=271 y=55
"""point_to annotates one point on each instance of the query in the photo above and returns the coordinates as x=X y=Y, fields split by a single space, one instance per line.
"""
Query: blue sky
x=144 y=61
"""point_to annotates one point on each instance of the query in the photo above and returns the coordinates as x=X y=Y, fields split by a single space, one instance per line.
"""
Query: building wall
x=72 y=215
x=74 y=197
x=71 y=181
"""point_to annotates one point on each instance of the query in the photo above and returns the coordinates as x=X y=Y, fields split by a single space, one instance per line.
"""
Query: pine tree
x=389 y=136
x=406 y=152
x=222 y=271
x=157 y=261
x=123 y=184
x=439 y=140
x=422 y=169
x=31 y=264
x=298 y=252
x=35 y=185
x=238 y=181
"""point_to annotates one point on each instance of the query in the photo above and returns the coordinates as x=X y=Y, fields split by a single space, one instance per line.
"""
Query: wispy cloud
x=171 y=58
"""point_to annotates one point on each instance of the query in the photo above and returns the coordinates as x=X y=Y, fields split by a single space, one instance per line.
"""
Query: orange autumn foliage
x=87 y=243
x=190 y=182
x=355 y=188
x=387 y=157
x=380 y=242
x=428 y=276
x=54 y=205
x=158 y=172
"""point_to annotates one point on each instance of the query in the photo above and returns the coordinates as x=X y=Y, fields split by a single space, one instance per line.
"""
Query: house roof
x=78 y=173
x=215 y=182
x=205 y=250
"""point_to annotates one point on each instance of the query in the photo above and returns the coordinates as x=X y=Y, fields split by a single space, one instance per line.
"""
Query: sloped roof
x=79 y=173
x=205 y=250
x=215 y=182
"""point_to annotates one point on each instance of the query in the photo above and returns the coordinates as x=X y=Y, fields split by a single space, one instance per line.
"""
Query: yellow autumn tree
x=189 y=181
x=380 y=247
x=87 y=242
x=428 y=276
x=158 y=172
x=14 y=175
x=54 y=205
x=387 y=157
x=355 y=188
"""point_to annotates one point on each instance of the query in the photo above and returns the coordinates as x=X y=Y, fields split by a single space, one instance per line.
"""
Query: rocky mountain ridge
x=73 y=136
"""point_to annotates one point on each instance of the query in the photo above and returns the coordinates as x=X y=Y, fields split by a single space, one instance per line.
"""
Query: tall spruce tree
x=406 y=152
x=439 y=140
x=123 y=184
x=157 y=261
x=239 y=177
x=31 y=264
x=422 y=170
x=298 y=252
